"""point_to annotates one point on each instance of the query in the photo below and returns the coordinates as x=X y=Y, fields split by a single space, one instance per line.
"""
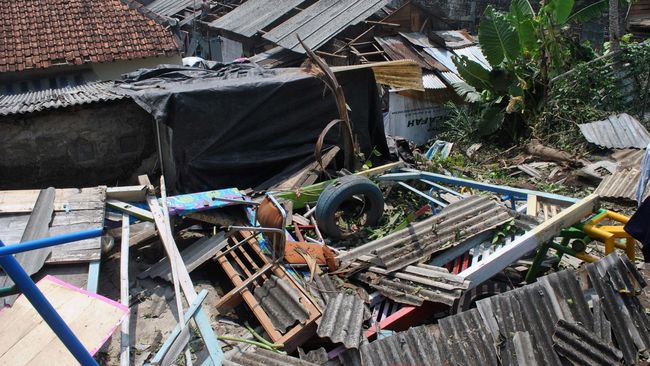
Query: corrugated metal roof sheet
x=618 y=132
x=432 y=81
x=582 y=347
x=397 y=48
x=167 y=8
x=59 y=98
x=451 y=77
x=262 y=357
x=321 y=21
x=621 y=184
x=455 y=39
x=415 y=284
x=474 y=53
x=443 y=56
x=342 y=321
x=418 y=39
x=254 y=15
x=617 y=282
x=628 y=158
x=281 y=302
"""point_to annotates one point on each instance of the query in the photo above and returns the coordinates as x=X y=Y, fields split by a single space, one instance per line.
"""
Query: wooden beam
x=134 y=211
x=531 y=205
x=528 y=242
x=125 y=345
x=201 y=319
x=127 y=193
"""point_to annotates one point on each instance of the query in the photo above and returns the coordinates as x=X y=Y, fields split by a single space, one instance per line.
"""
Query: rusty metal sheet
x=616 y=132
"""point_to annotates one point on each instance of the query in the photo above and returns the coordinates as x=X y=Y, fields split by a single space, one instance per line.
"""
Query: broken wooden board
x=74 y=210
x=37 y=227
x=28 y=340
x=193 y=256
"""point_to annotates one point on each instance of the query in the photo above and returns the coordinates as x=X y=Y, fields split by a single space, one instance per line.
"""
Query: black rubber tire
x=342 y=190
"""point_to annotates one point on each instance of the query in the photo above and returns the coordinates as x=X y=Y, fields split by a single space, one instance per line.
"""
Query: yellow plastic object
x=610 y=234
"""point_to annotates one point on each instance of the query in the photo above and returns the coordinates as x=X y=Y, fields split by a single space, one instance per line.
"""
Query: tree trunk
x=614 y=32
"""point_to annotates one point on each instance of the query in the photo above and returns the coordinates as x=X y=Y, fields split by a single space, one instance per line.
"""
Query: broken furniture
x=575 y=239
x=280 y=304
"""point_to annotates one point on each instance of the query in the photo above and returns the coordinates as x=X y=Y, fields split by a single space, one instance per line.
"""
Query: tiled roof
x=42 y=33
x=58 y=98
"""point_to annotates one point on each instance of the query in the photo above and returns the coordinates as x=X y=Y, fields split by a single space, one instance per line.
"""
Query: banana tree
x=525 y=49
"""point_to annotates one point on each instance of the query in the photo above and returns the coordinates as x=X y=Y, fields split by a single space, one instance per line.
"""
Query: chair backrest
x=271 y=215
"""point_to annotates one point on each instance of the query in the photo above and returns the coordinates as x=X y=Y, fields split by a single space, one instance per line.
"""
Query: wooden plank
x=37 y=227
x=193 y=256
x=531 y=205
x=528 y=242
x=127 y=194
x=28 y=340
x=307 y=175
x=93 y=276
x=22 y=201
x=134 y=211
x=125 y=344
x=201 y=319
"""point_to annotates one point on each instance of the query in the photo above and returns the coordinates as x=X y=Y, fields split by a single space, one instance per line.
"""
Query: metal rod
x=25 y=284
x=422 y=194
x=51 y=241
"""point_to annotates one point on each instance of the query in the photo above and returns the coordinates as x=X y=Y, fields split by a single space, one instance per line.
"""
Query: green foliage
x=589 y=12
x=498 y=38
x=525 y=50
x=557 y=11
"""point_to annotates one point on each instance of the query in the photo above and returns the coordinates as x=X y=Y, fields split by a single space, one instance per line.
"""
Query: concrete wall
x=99 y=143
x=114 y=70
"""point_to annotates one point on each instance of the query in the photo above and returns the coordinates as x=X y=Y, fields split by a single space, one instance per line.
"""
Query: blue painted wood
x=93 y=276
x=189 y=314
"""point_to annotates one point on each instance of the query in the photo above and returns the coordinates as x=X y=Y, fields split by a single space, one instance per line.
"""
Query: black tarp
x=241 y=125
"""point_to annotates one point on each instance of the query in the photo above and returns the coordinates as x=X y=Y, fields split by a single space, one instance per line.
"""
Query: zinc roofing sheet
x=617 y=132
x=254 y=15
x=321 y=21
x=167 y=8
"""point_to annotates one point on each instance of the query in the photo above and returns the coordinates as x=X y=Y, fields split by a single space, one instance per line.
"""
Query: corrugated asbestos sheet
x=415 y=284
x=416 y=346
x=528 y=325
x=582 y=347
x=621 y=184
x=342 y=321
x=254 y=15
x=462 y=339
x=617 y=283
x=616 y=132
x=322 y=289
x=457 y=222
x=58 y=98
x=321 y=21
x=262 y=357
x=281 y=302
x=167 y=8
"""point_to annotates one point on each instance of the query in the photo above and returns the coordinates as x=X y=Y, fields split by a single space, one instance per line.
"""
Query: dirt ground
x=153 y=308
